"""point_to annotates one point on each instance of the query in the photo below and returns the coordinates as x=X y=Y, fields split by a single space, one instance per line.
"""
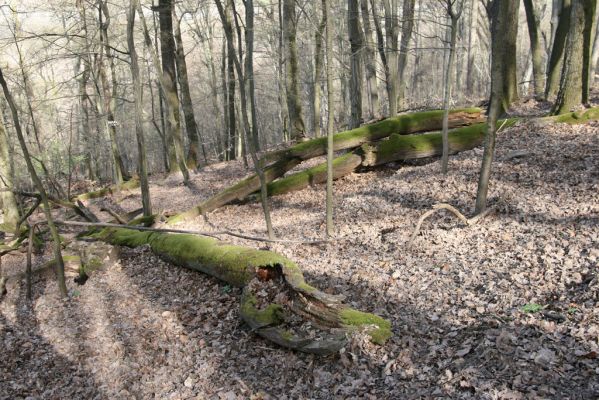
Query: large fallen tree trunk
x=406 y=124
x=408 y=147
x=289 y=158
x=275 y=292
x=396 y=148
x=128 y=185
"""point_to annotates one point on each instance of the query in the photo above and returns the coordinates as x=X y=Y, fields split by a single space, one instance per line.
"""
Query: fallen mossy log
x=342 y=166
x=411 y=147
x=405 y=124
x=396 y=148
x=128 y=185
x=272 y=317
x=238 y=191
x=289 y=158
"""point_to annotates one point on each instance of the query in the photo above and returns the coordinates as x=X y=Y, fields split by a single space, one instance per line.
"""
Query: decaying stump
x=297 y=315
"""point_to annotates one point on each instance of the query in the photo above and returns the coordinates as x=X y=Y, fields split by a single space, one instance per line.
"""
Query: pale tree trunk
x=168 y=81
x=110 y=93
x=380 y=45
x=571 y=88
x=9 y=203
x=406 y=33
x=391 y=38
x=39 y=186
x=191 y=127
x=502 y=21
x=588 y=34
x=252 y=143
x=356 y=44
x=472 y=46
x=139 y=133
x=329 y=74
x=532 y=20
x=281 y=82
x=454 y=11
x=294 y=104
x=558 y=47
x=595 y=57
x=318 y=55
x=370 y=64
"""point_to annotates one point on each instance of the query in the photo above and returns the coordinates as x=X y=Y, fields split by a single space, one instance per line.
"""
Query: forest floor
x=505 y=309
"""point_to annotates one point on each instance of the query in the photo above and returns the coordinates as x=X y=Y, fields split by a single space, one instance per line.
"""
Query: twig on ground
x=120 y=219
x=443 y=206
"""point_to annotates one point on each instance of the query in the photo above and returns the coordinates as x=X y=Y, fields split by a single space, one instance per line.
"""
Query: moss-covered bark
x=402 y=125
x=342 y=166
x=238 y=265
x=130 y=184
x=410 y=147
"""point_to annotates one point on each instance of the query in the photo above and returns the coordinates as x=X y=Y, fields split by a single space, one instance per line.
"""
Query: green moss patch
x=378 y=328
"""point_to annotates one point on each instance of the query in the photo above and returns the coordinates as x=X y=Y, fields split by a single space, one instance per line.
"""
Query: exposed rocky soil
x=507 y=308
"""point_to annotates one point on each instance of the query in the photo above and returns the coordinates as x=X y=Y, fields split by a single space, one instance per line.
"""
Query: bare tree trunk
x=9 y=203
x=39 y=187
x=318 y=56
x=554 y=69
x=294 y=104
x=502 y=21
x=454 y=11
x=572 y=81
x=168 y=80
x=249 y=86
x=391 y=33
x=139 y=133
x=381 y=45
x=536 y=49
x=356 y=45
x=407 y=27
x=370 y=64
x=110 y=93
x=329 y=55
x=588 y=33
x=595 y=58
x=191 y=127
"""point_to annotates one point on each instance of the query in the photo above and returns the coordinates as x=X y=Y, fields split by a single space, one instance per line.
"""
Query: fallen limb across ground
x=292 y=313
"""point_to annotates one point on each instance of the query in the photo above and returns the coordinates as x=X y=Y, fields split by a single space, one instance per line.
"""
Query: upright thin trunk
x=356 y=44
x=502 y=21
x=536 y=50
x=169 y=83
x=472 y=44
x=329 y=74
x=391 y=33
x=109 y=93
x=252 y=143
x=380 y=40
x=407 y=27
x=454 y=10
x=191 y=127
x=572 y=80
x=39 y=187
x=9 y=203
x=294 y=104
x=139 y=133
x=588 y=33
x=318 y=55
x=595 y=57
x=554 y=69
x=370 y=63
